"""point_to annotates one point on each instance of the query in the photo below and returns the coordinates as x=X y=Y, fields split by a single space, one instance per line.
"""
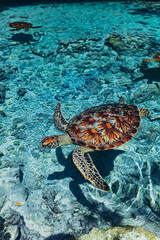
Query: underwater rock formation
x=21 y=92
x=2 y=93
x=119 y=233
x=2 y=74
x=146 y=92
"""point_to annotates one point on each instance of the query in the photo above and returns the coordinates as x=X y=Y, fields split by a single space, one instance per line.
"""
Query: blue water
x=84 y=54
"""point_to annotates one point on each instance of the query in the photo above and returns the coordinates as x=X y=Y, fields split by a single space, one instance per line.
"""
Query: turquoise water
x=84 y=54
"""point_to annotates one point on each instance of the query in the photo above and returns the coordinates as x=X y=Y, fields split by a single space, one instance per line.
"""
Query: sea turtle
x=21 y=25
x=155 y=58
x=101 y=127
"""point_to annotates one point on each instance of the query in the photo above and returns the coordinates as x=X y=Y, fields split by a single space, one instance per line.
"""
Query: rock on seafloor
x=120 y=233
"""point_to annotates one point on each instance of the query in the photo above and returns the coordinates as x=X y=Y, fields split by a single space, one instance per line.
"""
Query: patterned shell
x=20 y=25
x=105 y=126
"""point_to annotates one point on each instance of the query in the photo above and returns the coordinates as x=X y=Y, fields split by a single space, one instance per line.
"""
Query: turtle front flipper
x=84 y=163
x=59 y=121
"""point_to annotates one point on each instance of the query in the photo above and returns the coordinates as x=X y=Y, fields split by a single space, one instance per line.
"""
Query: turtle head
x=56 y=141
x=50 y=142
x=143 y=112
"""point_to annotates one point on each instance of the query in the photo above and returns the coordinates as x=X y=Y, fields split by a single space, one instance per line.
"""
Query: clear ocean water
x=82 y=54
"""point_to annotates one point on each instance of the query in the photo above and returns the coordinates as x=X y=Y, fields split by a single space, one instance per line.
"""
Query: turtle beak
x=42 y=145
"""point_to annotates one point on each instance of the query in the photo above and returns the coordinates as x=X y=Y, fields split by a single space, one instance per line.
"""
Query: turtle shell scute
x=104 y=127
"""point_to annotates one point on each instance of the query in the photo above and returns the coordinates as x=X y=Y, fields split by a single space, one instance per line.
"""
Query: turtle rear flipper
x=143 y=112
x=59 y=121
x=84 y=163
